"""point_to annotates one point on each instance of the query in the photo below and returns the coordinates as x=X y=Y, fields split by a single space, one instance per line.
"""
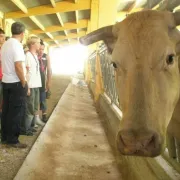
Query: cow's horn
x=177 y=18
x=97 y=35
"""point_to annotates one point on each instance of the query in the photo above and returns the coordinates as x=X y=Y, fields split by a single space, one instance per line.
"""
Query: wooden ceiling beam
x=133 y=5
x=167 y=5
x=53 y=3
x=66 y=35
x=67 y=26
x=70 y=35
x=161 y=6
x=76 y=15
x=50 y=35
x=20 y=5
x=56 y=42
x=122 y=14
x=23 y=8
x=61 y=23
x=60 y=19
x=34 y=19
x=65 y=32
x=63 y=6
x=66 y=43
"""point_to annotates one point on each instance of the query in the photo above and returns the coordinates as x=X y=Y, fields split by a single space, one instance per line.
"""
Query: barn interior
x=78 y=141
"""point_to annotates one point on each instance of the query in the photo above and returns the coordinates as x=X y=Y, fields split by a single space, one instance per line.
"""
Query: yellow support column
x=93 y=23
x=100 y=18
x=87 y=72
x=106 y=18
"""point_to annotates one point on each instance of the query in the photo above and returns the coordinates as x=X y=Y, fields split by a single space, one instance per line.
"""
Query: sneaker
x=39 y=122
x=36 y=126
x=33 y=130
x=17 y=145
x=44 y=118
x=29 y=133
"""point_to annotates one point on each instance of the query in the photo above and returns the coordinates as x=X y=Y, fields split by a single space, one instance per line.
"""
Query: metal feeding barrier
x=108 y=74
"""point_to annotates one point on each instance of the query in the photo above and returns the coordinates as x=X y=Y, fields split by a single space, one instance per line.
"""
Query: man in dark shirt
x=45 y=70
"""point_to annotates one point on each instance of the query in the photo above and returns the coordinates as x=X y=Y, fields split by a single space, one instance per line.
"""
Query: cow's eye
x=114 y=65
x=170 y=59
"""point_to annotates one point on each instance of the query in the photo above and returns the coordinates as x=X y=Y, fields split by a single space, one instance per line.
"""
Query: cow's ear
x=105 y=34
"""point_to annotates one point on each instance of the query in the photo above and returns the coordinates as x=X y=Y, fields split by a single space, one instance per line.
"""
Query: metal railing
x=92 y=61
x=108 y=76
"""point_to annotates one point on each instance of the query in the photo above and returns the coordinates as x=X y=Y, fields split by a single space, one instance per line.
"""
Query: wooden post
x=87 y=72
x=98 y=79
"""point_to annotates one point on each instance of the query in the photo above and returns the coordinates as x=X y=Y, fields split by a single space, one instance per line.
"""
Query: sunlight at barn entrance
x=68 y=60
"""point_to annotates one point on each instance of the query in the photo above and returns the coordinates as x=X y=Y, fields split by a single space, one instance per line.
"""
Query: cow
x=144 y=49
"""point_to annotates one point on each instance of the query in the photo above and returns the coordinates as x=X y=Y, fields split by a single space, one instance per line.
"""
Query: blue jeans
x=43 y=106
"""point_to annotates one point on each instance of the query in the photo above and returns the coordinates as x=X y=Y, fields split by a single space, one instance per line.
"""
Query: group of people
x=25 y=76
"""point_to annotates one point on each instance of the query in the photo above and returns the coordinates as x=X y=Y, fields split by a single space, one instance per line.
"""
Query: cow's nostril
x=147 y=141
x=145 y=144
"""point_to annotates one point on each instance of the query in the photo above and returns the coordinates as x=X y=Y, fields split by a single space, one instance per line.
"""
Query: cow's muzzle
x=137 y=143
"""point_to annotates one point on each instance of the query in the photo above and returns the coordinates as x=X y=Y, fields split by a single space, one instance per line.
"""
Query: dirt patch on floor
x=12 y=159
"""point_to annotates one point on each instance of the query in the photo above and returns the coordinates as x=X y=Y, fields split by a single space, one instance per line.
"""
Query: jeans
x=43 y=106
x=1 y=98
x=13 y=110
x=32 y=106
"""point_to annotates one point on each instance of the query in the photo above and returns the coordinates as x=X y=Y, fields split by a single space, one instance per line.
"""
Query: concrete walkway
x=73 y=144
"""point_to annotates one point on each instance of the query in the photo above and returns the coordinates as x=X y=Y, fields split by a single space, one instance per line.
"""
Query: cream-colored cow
x=144 y=49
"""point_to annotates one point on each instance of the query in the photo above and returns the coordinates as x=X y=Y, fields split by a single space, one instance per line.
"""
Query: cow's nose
x=137 y=143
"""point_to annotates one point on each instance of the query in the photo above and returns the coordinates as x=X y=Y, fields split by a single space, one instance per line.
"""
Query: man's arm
x=20 y=72
x=49 y=73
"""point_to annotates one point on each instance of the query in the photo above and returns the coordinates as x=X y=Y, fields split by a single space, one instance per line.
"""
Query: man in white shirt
x=14 y=86
x=34 y=83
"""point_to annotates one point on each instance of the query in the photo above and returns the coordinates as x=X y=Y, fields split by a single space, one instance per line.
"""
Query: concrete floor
x=11 y=159
x=73 y=144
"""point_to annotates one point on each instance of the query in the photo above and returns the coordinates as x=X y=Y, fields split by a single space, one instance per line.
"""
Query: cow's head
x=144 y=48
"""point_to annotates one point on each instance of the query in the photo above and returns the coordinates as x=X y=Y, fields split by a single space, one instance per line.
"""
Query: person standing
x=2 y=40
x=14 y=87
x=34 y=83
x=45 y=70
